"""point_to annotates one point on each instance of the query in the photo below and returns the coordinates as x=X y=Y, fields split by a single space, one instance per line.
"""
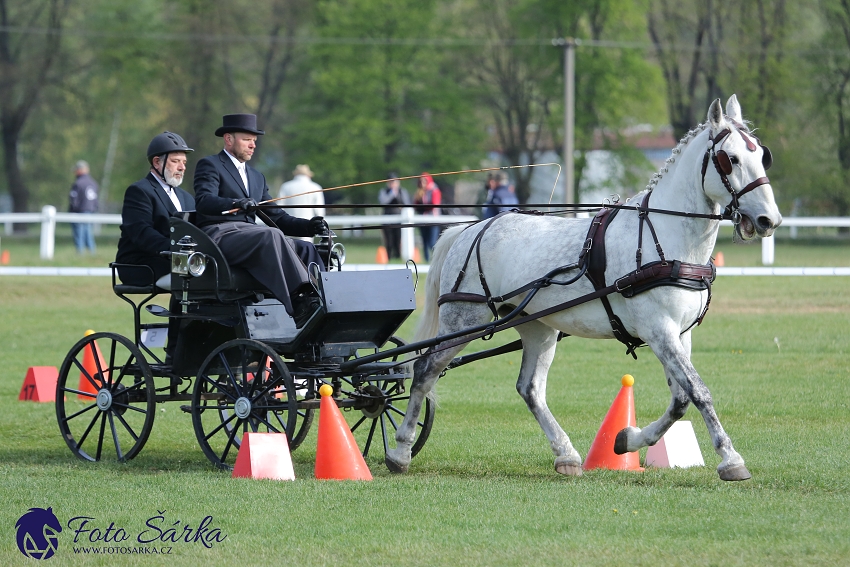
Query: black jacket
x=145 y=230
x=83 y=195
x=218 y=186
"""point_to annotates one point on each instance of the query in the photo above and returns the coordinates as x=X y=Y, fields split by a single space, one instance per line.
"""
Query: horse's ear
x=715 y=115
x=733 y=109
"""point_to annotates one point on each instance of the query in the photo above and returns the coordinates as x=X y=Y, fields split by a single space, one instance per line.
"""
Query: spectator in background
x=83 y=199
x=393 y=196
x=301 y=183
x=428 y=194
x=500 y=196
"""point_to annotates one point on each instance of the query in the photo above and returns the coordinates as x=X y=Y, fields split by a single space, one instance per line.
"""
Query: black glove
x=317 y=225
x=247 y=205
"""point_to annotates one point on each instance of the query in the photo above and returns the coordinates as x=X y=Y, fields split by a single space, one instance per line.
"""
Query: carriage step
x=186 y=409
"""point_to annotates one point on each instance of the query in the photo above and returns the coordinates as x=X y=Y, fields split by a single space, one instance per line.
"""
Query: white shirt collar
x=172 y=194
x=239 y=164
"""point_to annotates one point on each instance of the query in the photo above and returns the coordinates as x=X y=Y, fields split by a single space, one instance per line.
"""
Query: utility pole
x=569 y=45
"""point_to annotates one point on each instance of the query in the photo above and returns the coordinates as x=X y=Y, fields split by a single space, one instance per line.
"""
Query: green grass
x=483 y=490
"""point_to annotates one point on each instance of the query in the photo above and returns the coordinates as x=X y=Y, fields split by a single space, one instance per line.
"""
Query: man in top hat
x=224 y=181
x=301 y=190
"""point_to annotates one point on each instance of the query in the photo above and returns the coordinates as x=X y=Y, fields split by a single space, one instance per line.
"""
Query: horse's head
x=734 y=172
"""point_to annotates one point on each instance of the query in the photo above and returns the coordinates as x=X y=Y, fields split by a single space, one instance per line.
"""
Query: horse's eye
x=734 y=160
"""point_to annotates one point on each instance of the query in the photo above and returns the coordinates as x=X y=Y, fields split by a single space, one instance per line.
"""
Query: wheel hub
x=242 y=407
x=376 y=403
x=104 y=400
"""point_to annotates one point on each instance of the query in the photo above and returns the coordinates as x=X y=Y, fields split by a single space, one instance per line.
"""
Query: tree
x=707 y=49
x=518 y=75
x=26 y=61
x=378 y=99
x=832 y=77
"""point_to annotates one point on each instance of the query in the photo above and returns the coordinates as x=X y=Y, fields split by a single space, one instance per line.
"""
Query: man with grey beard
x=148 y=204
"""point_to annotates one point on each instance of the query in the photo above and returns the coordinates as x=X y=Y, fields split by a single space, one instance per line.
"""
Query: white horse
x=518 y=248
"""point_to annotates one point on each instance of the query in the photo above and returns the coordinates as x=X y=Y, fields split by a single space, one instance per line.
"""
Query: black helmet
x=166 y=143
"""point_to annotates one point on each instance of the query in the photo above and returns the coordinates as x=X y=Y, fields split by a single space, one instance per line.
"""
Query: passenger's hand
x=317 y=225
x=247 y=205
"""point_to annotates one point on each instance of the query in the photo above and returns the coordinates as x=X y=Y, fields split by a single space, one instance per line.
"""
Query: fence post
x=408 y=236
x=767 y=250
x=48 y=232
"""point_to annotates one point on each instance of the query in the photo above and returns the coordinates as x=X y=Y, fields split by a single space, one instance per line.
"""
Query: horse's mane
x=656 y=177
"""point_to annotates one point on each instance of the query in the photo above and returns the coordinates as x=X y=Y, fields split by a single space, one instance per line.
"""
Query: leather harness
x=592 y=263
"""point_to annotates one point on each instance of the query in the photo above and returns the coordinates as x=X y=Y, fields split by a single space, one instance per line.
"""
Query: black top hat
x=239 y=123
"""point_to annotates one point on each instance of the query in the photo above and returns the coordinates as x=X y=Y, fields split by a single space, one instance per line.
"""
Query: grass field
x=774 y=351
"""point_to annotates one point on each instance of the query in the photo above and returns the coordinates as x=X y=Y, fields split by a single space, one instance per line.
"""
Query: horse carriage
x=249 y=369
x=240 y=364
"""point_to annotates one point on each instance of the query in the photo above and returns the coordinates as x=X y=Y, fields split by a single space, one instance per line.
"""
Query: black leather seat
x=219 y=280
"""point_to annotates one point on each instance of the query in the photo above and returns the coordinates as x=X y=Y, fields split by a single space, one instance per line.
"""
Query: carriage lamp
x=187 y=262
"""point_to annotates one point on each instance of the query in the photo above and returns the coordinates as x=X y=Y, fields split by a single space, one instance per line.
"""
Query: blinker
x=766 y=158
x=725 y=162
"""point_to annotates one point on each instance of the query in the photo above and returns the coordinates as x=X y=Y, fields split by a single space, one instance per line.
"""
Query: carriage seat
x=219 y=280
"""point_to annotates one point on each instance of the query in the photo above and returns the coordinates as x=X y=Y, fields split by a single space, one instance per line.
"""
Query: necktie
x=244 y=175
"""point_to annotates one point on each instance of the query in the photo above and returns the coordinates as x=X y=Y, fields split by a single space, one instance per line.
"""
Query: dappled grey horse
x=716 y=171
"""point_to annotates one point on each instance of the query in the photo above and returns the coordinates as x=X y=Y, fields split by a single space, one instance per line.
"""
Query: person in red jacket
x=428 y=194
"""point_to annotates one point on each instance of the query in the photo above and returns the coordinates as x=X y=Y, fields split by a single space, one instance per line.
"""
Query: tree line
x=357 y=88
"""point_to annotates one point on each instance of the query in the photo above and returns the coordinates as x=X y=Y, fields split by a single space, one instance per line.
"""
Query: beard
x=242 y=155
x=174 y=179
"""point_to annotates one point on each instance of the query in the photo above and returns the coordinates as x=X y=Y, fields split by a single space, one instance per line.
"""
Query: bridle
x=723 y=165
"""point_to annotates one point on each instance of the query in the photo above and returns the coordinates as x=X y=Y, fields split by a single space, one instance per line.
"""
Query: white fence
x=48 y=217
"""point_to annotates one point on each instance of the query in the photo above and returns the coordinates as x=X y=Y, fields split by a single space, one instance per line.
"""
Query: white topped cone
x=678 y=448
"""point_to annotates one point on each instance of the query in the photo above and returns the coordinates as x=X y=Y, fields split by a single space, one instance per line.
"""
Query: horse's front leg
x=685 y=385
x=538 y=351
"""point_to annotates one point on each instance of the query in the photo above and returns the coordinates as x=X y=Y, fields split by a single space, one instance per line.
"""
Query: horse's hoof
x=395 y=467
x=738 y=472
x=621 y=442
x=567 y=469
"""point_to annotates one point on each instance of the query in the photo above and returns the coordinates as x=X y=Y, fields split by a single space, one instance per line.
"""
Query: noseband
x=723 y=165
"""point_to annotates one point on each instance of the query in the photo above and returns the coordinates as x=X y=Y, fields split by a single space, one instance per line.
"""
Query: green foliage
x=359 y=87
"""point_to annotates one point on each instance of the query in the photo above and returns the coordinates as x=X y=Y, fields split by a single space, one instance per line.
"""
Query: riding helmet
x=166 y=143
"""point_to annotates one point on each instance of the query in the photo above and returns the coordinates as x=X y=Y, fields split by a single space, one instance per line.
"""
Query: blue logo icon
x=37 y=533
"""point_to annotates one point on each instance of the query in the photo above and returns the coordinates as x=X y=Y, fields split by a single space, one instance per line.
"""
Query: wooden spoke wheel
x=243 y=386
x=105 y=398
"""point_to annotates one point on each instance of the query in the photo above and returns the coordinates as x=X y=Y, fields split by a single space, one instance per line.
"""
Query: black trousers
x=277 y=262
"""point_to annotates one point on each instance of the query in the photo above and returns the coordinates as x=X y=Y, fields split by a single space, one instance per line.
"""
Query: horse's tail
x=429 y=321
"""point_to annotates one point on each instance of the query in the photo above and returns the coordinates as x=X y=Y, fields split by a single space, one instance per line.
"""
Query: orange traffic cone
x=337 y=454
x=719 y=261
x=621 y=414
x=381 y=257
x=91 y=369
x=264 y=455
x=416 y=257
x=4 y=257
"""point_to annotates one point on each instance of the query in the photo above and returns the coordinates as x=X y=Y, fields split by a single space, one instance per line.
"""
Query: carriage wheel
x=105 y=398
x=243 y=386
x=376 y=425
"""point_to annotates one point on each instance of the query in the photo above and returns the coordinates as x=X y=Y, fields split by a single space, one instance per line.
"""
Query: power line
x=411 y=42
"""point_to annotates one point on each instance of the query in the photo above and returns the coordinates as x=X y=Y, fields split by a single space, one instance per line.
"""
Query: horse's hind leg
x=685 y=384
x=426 y=372
x=538 y=351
